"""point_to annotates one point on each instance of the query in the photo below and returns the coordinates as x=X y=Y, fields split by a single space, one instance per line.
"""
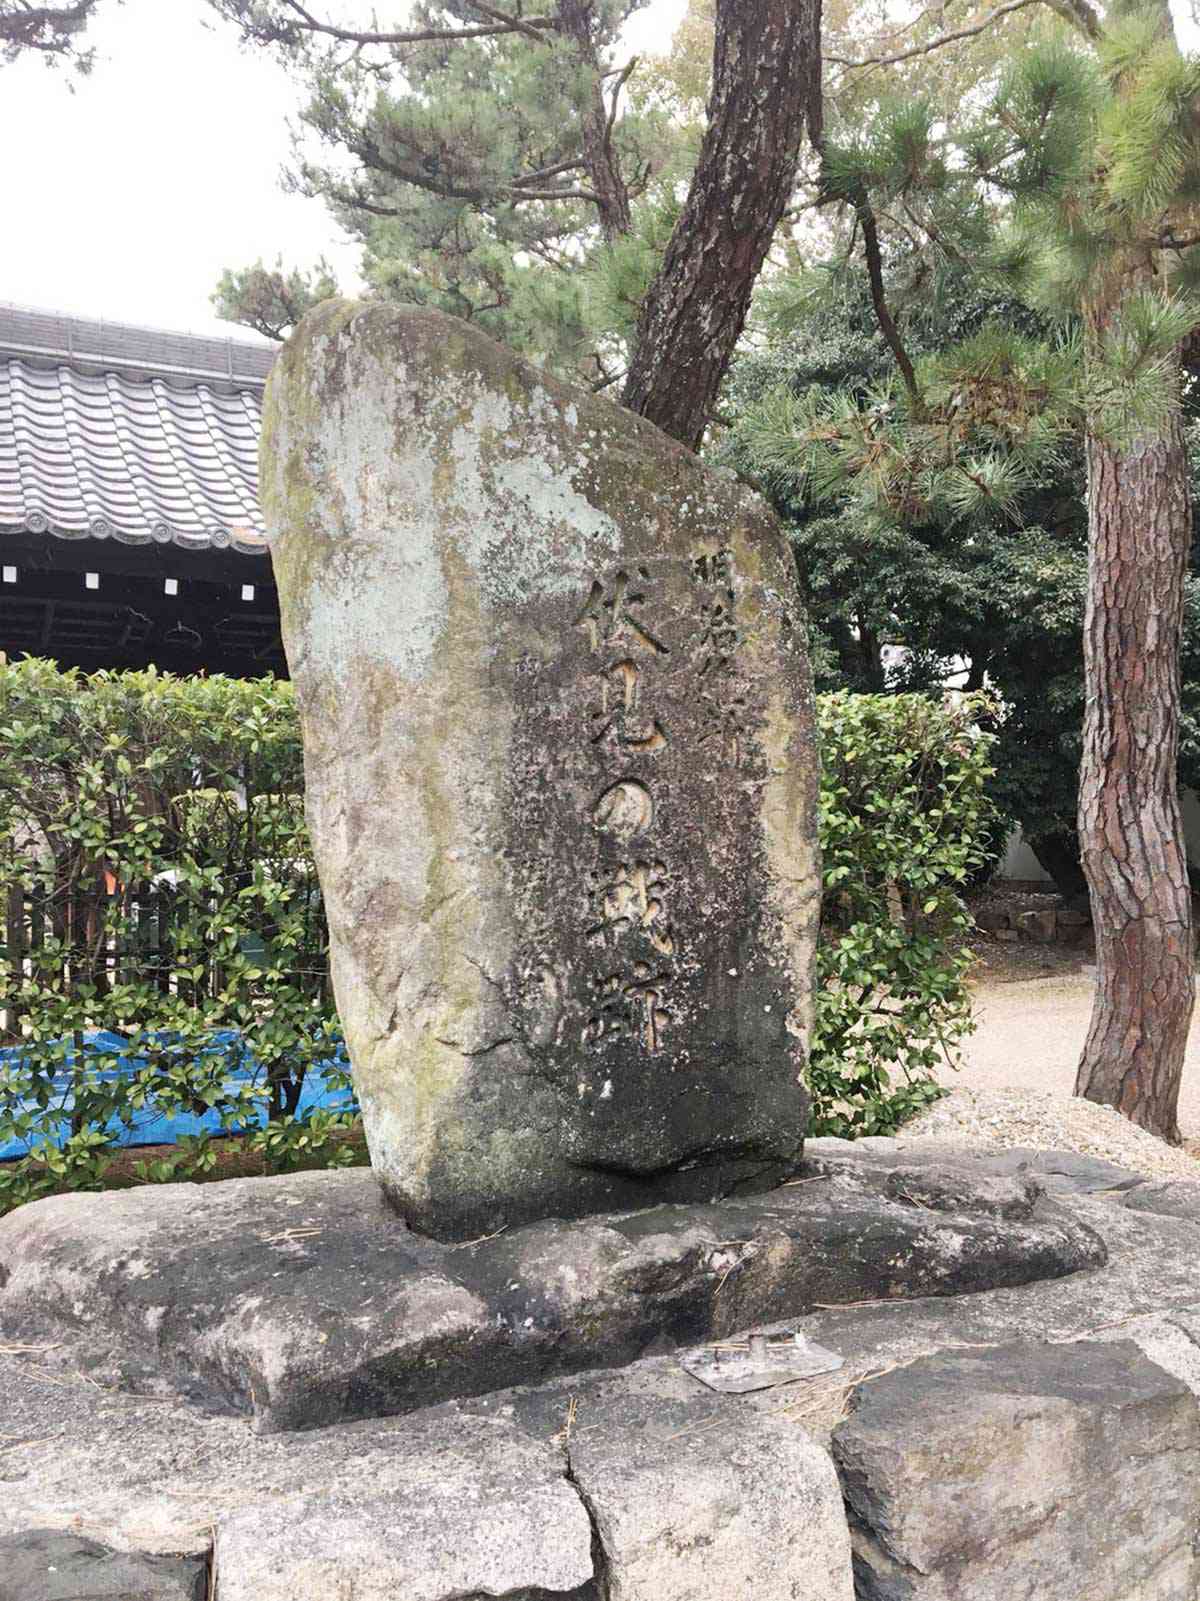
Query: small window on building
x=91 y=580
x=10 y=575
x=247 y=591
x=170 y=586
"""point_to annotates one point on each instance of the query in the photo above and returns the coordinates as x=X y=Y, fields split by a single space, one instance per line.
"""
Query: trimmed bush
x=165 y=948
x=905 y=824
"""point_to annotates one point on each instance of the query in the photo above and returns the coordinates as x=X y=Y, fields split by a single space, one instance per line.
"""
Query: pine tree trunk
x=766 y=85
x=1130 y=826
x=603 y=168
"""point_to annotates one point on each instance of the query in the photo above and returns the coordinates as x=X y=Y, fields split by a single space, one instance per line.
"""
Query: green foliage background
x=159 y=883
x=999 y=588
x=906 y=823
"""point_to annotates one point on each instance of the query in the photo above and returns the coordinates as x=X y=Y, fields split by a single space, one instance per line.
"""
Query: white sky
x=127 y=197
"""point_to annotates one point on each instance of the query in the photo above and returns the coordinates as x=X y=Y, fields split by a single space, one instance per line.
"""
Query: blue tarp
x=151 y=1126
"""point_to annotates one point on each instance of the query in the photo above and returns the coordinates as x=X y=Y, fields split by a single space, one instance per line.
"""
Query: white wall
x=1019 y=861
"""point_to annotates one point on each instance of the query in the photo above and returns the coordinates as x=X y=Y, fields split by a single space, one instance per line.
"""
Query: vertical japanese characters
x=627 y=897
x=628 y=891
x=723 y=704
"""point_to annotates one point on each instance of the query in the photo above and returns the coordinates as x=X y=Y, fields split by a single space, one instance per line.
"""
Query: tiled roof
x=113 y=432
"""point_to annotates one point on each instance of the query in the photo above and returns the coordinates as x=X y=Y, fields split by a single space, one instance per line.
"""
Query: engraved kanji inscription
x=714 y=568
x=628 y=899
x=628 y=1006
x=617 y=716
x=718 y=635
x=725 y=711
x=723 y=704
x=625 y=809
x=609 y=614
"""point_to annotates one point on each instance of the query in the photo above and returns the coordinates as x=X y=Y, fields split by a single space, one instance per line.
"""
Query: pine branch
x=47 y=28
x=923 y=225
x=622 y=77
x=278 y=31
x=550 y=172
x=513 y=193
x=606 y=379
x=887 y=323
x=517 y=195
x=945 y=38
x=517 y=24
x=1081 y=14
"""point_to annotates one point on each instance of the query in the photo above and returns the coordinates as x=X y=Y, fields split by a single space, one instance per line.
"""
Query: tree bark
x=1130 y=826
x=603 y=168
x=766 y=86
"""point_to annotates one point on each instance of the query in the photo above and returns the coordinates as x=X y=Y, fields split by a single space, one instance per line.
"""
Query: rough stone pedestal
x=51 y=1565
x=1035 y=1441
x=301 y=1300
x=560 y=777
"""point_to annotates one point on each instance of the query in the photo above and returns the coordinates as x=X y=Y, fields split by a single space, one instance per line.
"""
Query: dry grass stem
x=463 y=1245
x=287 y=1235
x=563 y=1437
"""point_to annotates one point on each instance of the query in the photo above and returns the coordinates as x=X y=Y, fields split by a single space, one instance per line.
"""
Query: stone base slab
x=50 y=1565
x=642 y=1484
x=304 y=1302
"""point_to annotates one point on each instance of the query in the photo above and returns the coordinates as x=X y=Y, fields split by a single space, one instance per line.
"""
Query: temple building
x=129 y=525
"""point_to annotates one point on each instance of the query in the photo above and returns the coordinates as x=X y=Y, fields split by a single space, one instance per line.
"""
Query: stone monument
x=561 y=777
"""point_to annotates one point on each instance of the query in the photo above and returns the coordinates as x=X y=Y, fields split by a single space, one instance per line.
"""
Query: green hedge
x=158 y=882
x=905 y=825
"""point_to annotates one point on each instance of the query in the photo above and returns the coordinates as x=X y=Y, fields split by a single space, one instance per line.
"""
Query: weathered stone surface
x=560 y=777
x=1061 y=1172
x=301 y=1300
x=991 y=919
x=52 y=1565
x=459 y=1508
x=485 y=1498
x=694 y=1496
x=1040 y=926
x=1153 y=1272
x=1029 y=1470
x=1171 y=1198
x=157 y=1476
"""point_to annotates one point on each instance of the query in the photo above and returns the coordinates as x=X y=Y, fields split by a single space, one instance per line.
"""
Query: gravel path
x=1030 y=1035
x=1018 y=1074
x=993 y=1119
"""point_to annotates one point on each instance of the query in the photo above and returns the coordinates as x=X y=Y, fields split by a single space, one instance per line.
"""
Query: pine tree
x=995 y=600
x=493 y=164
x=272 y=300
x=1077 y=186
